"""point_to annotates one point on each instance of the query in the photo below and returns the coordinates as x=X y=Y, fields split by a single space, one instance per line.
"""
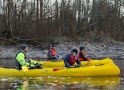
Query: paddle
x=24 y=68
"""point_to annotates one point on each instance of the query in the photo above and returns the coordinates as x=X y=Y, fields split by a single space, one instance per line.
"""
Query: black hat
x=23 y=46
x=81 y=48
x=74 y=50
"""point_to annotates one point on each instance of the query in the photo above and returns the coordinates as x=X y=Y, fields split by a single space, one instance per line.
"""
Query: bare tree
x=71 y=18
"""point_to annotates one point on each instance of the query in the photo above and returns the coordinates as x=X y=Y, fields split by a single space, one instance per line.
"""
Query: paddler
x=70 y=59
x=82 y=55
x=23 y=59
x=52 y=55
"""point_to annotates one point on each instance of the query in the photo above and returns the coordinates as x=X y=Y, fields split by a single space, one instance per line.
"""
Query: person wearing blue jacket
x=70 y=59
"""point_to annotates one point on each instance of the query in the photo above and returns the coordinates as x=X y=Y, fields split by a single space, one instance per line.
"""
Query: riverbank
x=100 y=48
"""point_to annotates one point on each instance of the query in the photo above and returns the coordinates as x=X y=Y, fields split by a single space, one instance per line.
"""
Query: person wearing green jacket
x=23 y=59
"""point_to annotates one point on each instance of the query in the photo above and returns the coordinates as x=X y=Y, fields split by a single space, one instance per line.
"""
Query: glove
x=31 y=66
x=38 y=66
x=36 y=63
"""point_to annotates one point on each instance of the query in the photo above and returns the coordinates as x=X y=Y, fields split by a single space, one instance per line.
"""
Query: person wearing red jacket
x=82 y=55
x=52 y=56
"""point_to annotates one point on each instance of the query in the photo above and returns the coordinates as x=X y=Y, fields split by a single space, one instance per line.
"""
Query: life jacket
x=72 y=60
x=53 y=52
x=18 y=65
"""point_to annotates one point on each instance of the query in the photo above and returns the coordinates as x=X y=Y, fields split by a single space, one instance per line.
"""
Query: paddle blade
x=24 y=68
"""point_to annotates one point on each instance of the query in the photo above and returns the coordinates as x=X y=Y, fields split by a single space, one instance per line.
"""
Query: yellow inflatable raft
x=103 y=70
x=83 y=63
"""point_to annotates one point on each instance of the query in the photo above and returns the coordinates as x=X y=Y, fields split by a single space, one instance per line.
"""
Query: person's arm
x=78 y=62
x=29 y=60
x=50 y=55
x=33 y=62
x=66 y=61
x=21 y=60
x=82 y=56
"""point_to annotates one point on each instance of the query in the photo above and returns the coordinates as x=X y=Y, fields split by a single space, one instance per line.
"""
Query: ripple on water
x=34 y=83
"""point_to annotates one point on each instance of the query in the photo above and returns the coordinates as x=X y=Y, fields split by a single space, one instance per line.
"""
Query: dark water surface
x=61 y=83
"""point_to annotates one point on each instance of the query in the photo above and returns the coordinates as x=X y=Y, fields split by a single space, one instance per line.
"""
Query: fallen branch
x=9 y=40
x=93 y=24
x=33 y=41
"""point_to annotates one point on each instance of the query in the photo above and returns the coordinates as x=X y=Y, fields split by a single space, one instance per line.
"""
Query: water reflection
x=61 y=83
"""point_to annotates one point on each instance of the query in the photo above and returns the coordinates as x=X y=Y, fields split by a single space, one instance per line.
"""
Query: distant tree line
x=37 y=19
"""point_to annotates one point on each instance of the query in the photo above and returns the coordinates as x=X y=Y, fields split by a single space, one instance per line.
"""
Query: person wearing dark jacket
x=70 y=59
x=23 y=59
x=52 y=56
x=82 y=55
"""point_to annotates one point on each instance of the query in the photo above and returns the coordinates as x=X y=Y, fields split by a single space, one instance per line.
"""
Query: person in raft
x=82 y=55
x=52 y=56
x=70 y=59
x=23 y=59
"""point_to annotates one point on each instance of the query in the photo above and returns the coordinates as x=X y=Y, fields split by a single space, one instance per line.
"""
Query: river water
x=61 y=83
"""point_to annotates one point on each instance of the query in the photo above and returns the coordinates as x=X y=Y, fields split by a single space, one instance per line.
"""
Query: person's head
x=74 y=52
x=54 y=47
x=24 y=47
x=82 y=48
